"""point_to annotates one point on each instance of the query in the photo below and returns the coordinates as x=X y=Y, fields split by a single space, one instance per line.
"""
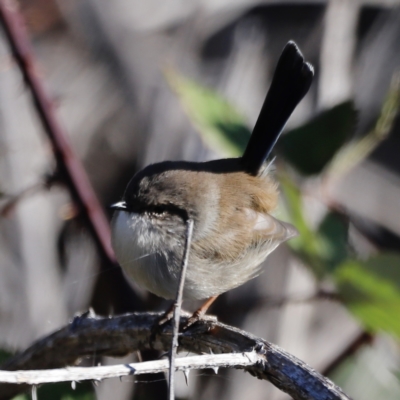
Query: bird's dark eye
x=165 y=210
x=161 y=209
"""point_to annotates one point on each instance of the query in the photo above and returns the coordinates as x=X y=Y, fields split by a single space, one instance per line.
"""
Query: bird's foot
x=166 y=317
x=200 y=313
x=160 y=323
x=197 y=317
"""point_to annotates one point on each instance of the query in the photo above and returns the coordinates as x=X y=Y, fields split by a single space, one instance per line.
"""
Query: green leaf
x=334 y=230
x=310 y=147
x=359 y=149
x=307 y=245
x=322 y=249
x=371 y=291
x=220 y=125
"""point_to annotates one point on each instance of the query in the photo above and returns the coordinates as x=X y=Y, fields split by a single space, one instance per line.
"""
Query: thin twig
x=321 y=294
x=12 y=200
x=177 y=310
x=34 y=393
x=69 y=166
x=360 y=341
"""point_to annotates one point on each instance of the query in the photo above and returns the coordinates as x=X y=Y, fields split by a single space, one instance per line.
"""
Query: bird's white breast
x=143 y=255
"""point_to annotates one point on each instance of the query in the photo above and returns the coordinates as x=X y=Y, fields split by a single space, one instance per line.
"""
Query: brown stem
x=364 y=338
x=69 y=166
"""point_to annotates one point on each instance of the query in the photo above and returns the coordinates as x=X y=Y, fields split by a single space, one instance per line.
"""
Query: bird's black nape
x=290 y=83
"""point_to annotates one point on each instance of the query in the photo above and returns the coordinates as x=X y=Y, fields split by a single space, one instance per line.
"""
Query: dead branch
x=89 y=335
x=73 y=374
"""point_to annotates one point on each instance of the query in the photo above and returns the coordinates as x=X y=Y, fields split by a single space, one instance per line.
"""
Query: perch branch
x=88 y=335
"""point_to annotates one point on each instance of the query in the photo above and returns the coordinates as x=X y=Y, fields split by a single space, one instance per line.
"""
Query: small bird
x=230 y=201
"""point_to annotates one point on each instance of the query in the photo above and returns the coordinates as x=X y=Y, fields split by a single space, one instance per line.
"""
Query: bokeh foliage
x=324 y=147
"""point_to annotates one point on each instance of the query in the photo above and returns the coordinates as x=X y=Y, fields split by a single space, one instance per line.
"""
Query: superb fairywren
x=230 y=201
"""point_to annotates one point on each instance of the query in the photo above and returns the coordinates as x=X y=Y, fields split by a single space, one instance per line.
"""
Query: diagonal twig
x=70 y=168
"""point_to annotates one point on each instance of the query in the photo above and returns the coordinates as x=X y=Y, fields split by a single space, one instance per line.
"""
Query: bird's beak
x=121 y=206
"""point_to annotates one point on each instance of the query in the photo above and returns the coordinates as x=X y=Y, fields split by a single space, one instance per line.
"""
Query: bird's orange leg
x=198 y=314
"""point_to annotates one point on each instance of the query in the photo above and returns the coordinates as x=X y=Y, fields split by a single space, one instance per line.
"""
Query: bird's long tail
x=290 y=83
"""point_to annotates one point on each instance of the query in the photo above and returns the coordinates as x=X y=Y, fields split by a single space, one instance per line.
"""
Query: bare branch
x=37 y=377
x=88 y=335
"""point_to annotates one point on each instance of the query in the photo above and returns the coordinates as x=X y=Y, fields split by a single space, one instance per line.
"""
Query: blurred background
x=332 y=298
